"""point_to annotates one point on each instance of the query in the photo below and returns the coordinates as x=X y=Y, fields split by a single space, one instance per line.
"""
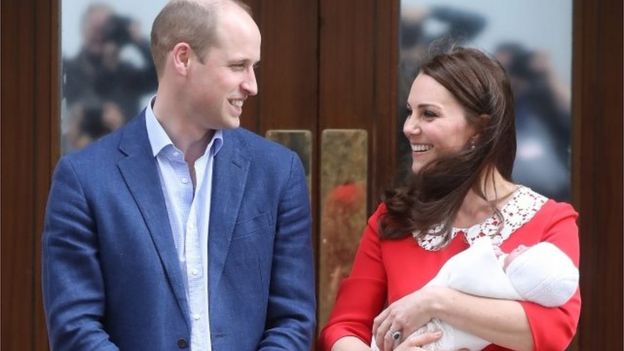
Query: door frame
x=29 y=139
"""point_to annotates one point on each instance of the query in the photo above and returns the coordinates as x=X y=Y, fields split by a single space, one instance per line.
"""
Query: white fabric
x=556 y=279
x=474 y=271
x=188 y=209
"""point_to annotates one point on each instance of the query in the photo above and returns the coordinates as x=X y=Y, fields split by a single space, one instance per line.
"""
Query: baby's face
x=513 y=254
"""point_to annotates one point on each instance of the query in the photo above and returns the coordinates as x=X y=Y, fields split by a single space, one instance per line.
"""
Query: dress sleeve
x=361 y=295
x=554 y=328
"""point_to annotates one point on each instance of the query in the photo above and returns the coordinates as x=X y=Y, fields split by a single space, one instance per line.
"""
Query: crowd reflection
x=542 y=107
x=102 y=89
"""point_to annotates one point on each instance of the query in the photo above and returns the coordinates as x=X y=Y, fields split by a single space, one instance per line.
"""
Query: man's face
x=219 y=86
x=93 y=30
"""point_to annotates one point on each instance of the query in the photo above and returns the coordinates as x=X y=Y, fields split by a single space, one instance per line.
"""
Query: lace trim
x=519 y=210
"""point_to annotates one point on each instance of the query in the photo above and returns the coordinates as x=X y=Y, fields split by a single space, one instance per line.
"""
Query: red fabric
x=390 y=269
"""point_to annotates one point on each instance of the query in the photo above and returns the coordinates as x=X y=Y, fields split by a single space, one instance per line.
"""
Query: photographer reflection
x=90 y=121
x=99 y=75
x=542 y=107
x=423 y=30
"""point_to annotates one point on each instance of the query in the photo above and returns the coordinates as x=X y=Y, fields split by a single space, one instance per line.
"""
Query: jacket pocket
x=250 y=227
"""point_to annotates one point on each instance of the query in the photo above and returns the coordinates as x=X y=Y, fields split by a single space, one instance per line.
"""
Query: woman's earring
x=473 y=143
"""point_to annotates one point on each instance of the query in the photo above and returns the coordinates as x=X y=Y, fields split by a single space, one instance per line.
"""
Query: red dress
x=386 y=270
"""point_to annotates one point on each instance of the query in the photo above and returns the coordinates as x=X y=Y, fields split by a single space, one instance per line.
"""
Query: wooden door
x=326 y=64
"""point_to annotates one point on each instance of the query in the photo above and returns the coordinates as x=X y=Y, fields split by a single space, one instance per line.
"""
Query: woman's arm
x=413 y=343
x=502 y=322
x=361 y=295
x=350 y=343
x=554 y=328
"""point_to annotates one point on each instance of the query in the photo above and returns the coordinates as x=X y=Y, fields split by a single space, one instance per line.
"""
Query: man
x=98 y=74
x=180 y=230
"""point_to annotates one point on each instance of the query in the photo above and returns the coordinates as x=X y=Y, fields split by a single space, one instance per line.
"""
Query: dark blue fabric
x=111 y=276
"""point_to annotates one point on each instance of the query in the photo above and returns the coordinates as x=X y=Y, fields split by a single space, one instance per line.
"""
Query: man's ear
x=181 y=54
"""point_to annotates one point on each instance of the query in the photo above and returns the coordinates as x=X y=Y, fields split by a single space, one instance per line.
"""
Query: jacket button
x=182 y=343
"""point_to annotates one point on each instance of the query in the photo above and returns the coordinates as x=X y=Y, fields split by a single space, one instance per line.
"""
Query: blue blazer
x=111 y=277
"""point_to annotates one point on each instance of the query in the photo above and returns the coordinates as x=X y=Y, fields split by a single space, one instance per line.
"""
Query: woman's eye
x=429 y=114
x=409 y=113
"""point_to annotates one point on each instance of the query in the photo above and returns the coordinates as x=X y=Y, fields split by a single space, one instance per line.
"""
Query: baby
x=541 y=273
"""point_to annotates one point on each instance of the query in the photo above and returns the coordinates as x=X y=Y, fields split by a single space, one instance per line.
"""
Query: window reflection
x=542 y=106
x=107 y=69
x=532 y=39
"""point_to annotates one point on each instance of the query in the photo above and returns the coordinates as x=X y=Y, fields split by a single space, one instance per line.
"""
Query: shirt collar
x=159 y=139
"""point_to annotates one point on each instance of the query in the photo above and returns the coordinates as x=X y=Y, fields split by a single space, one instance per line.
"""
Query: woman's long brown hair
x=434 y=195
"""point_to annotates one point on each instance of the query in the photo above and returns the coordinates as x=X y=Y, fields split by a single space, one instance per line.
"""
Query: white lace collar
x=517 y=211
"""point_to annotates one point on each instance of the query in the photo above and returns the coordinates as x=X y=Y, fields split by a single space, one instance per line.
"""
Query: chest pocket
x=250 y=254
x=252 y=227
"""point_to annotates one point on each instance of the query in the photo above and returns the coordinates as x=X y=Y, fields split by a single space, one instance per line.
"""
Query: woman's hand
x=416 y=342
x=403 y=317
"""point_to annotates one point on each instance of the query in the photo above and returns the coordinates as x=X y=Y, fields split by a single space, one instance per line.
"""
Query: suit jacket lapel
x=229 y=177
x=139 y=169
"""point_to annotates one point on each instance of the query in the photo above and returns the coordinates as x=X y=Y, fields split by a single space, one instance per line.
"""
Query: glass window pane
x=107 y=71
x=533 y=40
x=343 y=198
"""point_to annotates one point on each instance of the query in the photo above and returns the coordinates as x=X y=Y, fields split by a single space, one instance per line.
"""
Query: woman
x=461 y=132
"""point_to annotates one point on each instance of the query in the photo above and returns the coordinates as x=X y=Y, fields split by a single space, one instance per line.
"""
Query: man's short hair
x=189 y=21
x=91 y=9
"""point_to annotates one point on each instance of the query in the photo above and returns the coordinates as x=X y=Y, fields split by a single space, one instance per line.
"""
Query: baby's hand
x=497 y=251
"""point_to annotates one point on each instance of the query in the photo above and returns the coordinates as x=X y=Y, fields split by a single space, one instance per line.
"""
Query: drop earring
x=473 y=143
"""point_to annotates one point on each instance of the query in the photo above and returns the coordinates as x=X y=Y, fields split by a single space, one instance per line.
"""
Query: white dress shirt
x=189 y=216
